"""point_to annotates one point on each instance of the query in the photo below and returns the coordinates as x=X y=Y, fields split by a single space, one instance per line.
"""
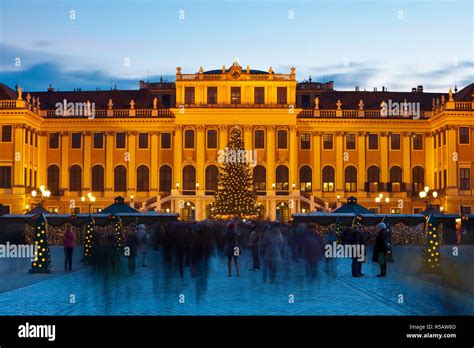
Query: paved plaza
x=158 y=290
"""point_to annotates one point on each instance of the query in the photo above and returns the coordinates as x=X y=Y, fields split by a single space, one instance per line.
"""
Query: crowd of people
x=192 y=244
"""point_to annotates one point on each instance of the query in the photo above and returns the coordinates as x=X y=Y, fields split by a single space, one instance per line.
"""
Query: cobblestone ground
x=158 y=290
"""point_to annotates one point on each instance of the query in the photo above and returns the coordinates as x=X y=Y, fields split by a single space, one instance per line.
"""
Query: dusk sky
x=397 y=44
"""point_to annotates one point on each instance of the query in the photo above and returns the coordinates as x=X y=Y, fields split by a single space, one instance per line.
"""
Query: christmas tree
x=430 y=257
x=235 y=196
x=42 y=262
x=89 y=241
x=118 y=232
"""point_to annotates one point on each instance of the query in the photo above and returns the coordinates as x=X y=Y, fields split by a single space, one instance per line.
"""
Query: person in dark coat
x=359 y=241
x=232 y=250
x=131 y=245
x=381 y=249
x=254 y=245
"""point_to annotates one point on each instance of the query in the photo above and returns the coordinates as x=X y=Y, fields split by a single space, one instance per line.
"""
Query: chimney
x=375 y=89
x=420 y=88
x=383 y=88
x=357 y=88
x=50 y=88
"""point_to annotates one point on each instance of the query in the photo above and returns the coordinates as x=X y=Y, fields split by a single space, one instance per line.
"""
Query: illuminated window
x=328 y=179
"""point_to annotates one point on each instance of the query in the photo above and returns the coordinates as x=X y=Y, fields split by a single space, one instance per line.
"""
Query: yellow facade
x=235 y=104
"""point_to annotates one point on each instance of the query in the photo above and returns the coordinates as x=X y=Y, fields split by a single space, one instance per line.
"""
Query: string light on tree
x=118 y=232
x=42 y=262
x=235 y=196
x=88 y=243
x=338 y=230
x=431 y=256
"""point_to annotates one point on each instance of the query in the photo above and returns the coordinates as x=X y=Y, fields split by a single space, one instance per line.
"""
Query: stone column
x=64 y=148
x=109 y=164
x=177 y=155
x=87 y=161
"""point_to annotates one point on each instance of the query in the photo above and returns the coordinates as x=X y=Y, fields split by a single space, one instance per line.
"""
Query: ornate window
x=97 y=178
x=328 y=179
x=165 y=178
x=120 y=178
x=350 y=178
x=282 y=178
x=75 y=178
x=143 y=181
x=260 y=178
x=53 y=179
x=306 y=179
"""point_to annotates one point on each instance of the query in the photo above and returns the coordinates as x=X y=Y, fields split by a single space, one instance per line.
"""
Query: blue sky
x=397 y=44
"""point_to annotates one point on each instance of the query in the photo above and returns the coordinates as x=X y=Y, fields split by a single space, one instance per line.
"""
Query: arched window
x=211 y=178
x=53 y=180
x=328 y=179
x=306 y=179
x=189 y=178
x=396 y=178
x=143 y=182
x=165 y=178
x=120 y=178
x=282 y=178
x=97 y=178
x=373 y=178
x=350 y=179
x=260 y=178
x=418 y=178
x=75 y=178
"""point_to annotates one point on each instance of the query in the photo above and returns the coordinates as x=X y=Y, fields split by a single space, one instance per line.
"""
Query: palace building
x=316 y=146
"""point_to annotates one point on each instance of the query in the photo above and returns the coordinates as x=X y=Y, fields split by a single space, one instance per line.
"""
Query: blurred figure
x=312 y=251
x=131 y=244
x=254 y=245
x=68 y=248
x=143 y=240
x=272 y=251
x=359 y=240
x=232 y=250
x=381 y=249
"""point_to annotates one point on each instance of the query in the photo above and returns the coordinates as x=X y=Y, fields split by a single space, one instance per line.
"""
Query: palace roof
x=7 y=93
x=142 y=98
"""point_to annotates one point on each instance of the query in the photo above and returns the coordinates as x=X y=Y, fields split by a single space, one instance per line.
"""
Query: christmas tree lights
x=118 y=232
x=431 y=256
x=235 y=196
x=89 y=241
x=42 y=262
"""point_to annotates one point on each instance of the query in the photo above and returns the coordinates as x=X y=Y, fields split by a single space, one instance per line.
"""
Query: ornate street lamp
x=90 y=198
x=424 y=195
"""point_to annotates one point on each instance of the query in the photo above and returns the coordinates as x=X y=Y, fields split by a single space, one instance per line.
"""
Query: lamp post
x=90 y=199
x=380 y=201
x=43 y=194
x=424 y=195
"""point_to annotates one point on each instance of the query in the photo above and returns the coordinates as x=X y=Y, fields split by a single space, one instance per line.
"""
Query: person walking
x=254 y=245
x=357 y=260
x=68 y=248
x=273 y=250
x=131 y=244
x=381 y=249
x=143 y=241
x=232 y=250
